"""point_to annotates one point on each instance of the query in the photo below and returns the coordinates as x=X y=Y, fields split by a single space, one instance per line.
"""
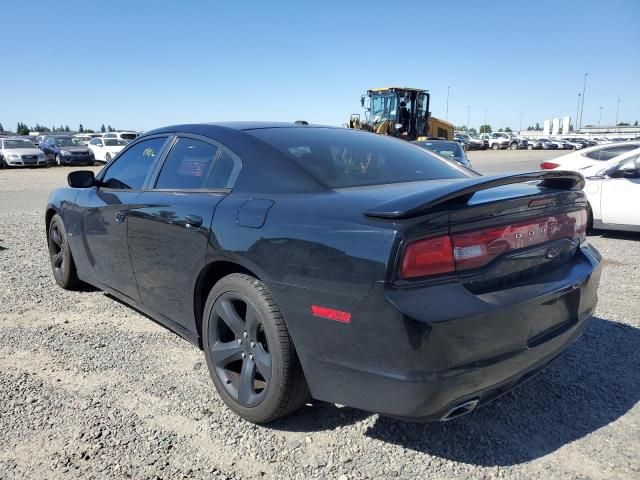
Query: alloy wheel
x=239 y=349
x=56 y=250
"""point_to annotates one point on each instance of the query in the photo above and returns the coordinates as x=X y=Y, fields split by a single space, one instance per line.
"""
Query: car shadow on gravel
x=593 y=384
x=319 y=416
x=616 y=234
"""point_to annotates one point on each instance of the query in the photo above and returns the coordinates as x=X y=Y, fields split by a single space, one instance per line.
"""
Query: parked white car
x=105 y=149
x=126 y=136
x=614 y=195
x=18 y=152
x=590 y=160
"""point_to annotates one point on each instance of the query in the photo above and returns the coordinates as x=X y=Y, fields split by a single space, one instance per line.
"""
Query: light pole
x=584 y=88
x=468 y=110
x=600 y=117
x=575 y=127
x=617 y=113
x=520 y=129
x=446 y=116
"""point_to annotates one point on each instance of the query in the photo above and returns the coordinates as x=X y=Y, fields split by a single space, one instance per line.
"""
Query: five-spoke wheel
x=249 y=352
x=239 y=349
x=64 y=270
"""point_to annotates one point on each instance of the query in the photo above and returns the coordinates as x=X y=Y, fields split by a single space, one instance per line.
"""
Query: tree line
x=24 y=129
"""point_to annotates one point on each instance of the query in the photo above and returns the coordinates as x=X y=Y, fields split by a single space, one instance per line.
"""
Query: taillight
x=431 y=256
x=474 y=249
x=548 y=165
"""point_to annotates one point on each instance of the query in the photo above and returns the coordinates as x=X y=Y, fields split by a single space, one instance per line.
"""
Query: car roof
x=216 y=127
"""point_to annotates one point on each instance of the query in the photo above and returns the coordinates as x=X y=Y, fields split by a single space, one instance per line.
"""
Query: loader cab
x=400 y=112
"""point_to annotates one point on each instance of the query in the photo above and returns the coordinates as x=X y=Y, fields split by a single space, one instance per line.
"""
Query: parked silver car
x=19 y=152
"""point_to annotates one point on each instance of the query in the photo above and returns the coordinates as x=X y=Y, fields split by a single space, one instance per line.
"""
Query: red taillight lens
x=548 y=165
x=469 y=250
x=431 y=256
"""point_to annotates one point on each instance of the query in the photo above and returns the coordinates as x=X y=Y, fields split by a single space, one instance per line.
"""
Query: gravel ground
x=89 y=388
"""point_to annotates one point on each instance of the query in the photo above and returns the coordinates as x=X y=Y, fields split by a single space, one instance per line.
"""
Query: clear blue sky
x=143 y=64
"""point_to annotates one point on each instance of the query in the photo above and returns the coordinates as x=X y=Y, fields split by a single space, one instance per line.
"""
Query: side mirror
x=630 y=173
x=81 y=179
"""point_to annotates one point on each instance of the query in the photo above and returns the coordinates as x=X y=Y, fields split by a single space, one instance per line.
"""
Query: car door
x=101 y=252
x=169 y=224
x=621 y=194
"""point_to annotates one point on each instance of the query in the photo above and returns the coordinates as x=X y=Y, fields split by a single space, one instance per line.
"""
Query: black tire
x=249 y=352
x=465 y=147
x=2 y=164
x=495 y=146
x=513 y=146
x=58 y=160
x=62 y=264
x=529 y=147
x=107 y=158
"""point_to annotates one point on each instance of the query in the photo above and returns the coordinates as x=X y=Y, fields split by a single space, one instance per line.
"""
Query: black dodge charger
x=313 y=262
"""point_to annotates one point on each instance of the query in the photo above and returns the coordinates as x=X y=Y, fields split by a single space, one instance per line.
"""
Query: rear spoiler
x=419 y=203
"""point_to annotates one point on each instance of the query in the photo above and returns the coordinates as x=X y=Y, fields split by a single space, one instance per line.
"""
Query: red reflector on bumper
x=331 y=314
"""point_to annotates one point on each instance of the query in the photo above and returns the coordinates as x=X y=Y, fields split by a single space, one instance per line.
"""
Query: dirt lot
x=89 y=388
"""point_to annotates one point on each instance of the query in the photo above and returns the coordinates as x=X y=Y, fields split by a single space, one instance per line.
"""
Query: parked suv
x=126 y=136
x=66 y=150
x=468 y=142
x=500 y=140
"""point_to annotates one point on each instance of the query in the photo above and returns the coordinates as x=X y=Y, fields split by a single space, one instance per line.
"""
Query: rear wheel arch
x=211 y=274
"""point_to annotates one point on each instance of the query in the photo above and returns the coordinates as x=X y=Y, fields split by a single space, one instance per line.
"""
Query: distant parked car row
x=62 y=149
x=612 y=174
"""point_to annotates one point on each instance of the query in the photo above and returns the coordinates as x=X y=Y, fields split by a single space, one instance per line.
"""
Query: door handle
x=192 y=221
x=121 y=215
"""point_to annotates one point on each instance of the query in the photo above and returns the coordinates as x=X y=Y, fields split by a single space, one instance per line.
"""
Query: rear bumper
x=419 y=354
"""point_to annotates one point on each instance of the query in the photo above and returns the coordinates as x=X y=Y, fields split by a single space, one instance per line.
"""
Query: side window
x=131 y=168
x=188 y=165
x=221 y=173
x=93 y=142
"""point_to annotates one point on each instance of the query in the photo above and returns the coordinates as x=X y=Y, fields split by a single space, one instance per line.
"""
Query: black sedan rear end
x=336 y=264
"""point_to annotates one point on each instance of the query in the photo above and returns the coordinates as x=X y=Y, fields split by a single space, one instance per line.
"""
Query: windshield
x=129 y=136
x=342 y=158
x=383 y=107
x=11 y=144
x=68 y=142
x=114 y=142
x=446 y=149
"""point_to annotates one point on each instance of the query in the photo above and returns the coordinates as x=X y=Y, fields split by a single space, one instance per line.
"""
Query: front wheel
x=514 y=146
x=107 y=157
x=529 y=147
x=249 y=352
x=2 y=164
x=58 y=160
x=64 y=269
x=495 y=146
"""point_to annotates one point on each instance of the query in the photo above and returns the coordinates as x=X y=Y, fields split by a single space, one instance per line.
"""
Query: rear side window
x=131 y=168
x=607 y=153
x=193 y=164
x=342 y=158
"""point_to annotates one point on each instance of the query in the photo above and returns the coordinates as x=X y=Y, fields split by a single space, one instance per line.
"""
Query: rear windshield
x=342 y=158
x=128 y=136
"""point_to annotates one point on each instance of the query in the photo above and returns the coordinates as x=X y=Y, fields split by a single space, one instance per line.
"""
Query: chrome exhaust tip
x=461 y=409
